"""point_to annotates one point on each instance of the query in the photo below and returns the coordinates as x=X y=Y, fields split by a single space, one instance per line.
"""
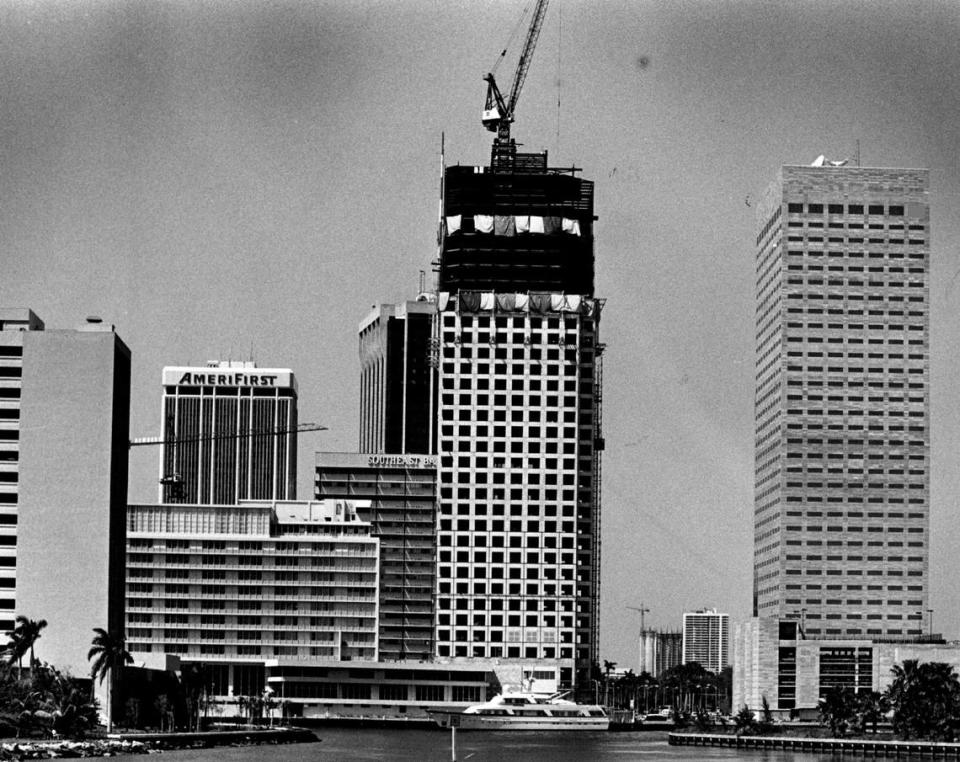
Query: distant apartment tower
x=229 y=431
x=397 y=379
x=399 y=495
x=660 y=651
x=519 y=416
x=64 y=436
x=842 y=495
x=235 y=585
x=706 y=639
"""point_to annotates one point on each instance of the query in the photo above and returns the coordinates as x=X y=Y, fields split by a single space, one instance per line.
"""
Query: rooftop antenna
x=422 y=279
x=858 y=152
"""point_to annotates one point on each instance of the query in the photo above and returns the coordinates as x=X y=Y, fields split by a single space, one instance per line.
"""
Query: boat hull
x=481 y=722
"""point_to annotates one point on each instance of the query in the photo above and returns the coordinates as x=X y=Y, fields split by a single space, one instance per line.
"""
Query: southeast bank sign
x=262 y=377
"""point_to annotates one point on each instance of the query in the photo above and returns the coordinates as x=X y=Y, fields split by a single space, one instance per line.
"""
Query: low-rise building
x=772 y=660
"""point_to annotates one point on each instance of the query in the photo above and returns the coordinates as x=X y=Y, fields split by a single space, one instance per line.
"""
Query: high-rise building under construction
x=519 y=375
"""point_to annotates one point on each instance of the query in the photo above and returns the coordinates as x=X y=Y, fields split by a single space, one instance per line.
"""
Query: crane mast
x=499 y=113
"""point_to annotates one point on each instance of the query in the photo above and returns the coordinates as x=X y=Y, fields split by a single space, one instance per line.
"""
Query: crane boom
x=300 y=428
x=499 y=113
x=526 y=55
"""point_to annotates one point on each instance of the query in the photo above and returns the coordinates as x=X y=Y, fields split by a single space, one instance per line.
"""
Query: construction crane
x=643 y=610
x=175 y=481
x=298 y=429
x=499 y=113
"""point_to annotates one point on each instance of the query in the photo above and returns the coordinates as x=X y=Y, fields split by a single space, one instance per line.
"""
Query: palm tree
x=30 y=633
x=22 y=637
x=109 y=652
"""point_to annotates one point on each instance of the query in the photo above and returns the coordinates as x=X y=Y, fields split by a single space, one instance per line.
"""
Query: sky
x=226 y=180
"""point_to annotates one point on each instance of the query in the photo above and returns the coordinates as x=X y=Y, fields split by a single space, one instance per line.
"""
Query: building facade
x=229 y=433
x=773 y=661
x=398 y=399
x=243 y=584
x=518 y=356
x=706 y=639
x=399 y=494
x=64 y=435
x=659 y=651
x=842 y=491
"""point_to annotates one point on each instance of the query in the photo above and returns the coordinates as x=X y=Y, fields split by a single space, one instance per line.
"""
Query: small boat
x=525 y=711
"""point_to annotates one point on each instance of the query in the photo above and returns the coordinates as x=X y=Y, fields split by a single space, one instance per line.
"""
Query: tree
x=925 y=699
x=838 y=710
x=608 y=667
x=684 y=680
x=109 y=655
x=22 y=639
x=162 y=704
x=745 y=722
x=871 y=708
x=193 y=682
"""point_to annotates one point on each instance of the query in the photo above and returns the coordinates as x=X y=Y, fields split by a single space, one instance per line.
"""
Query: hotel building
x=842 y=492
x=250 y=582
x=706 y=639
x=519 y=415
x=398 y=494
x=229 y=432
x=398 y=397
x=278 y=595
x=64 y=431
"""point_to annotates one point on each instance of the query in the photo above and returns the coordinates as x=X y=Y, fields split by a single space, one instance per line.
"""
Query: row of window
x=893 y=210
x=819 y=239
x=853 y=602
x=499 y=652
x=501 y=322
x=840 y=225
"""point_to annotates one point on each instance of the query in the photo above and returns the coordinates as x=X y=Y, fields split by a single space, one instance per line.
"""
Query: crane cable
x=559 y=71
x=503 y=53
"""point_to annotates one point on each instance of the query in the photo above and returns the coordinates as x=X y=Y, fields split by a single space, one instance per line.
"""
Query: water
x=434 y=746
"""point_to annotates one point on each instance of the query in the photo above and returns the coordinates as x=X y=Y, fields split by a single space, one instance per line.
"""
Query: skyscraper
x=229 y=432
x=398 y=398
x=842 y=493
x=64 y=429
x=519 y=414
x=706 y=639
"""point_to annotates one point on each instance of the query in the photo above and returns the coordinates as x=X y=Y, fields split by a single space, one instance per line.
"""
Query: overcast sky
x=225 y=178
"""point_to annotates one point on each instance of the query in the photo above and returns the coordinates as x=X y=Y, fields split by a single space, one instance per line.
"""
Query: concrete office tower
x=659 y=651
x=398 y=400
x=64 y=435
x=519 y=415
x=401 y=494
x=706 y=639
x=230 y=433
x=842 y=496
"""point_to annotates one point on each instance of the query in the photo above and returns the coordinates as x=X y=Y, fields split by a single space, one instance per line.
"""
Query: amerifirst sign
x=261 y=377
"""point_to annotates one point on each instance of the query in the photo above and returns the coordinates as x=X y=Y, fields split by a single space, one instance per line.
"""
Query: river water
x=434 y=746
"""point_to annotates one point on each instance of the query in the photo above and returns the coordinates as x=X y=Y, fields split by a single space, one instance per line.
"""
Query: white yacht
x=525 y=711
